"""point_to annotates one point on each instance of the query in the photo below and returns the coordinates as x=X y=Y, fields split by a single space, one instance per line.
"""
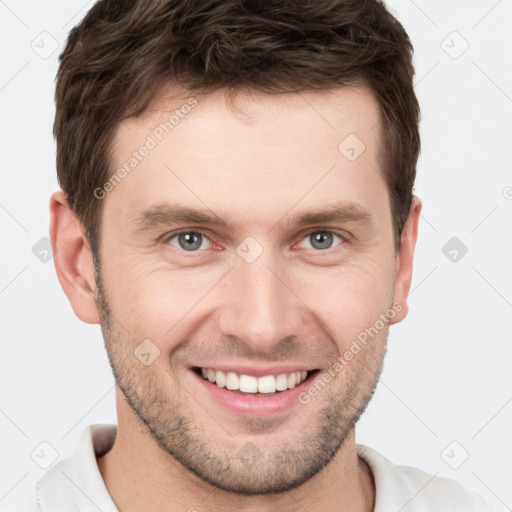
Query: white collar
x=75 y=483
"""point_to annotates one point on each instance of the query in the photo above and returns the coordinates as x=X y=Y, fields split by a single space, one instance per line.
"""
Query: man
x=237 y=212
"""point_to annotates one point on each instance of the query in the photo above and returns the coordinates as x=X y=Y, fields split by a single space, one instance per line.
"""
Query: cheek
x=164 y=305
x=348 y=300
x=155 y=302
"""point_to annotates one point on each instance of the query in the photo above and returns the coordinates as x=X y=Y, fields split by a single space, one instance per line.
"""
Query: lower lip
x=253 y=404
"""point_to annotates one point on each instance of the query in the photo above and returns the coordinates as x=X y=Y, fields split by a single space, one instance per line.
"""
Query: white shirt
x=75 y=484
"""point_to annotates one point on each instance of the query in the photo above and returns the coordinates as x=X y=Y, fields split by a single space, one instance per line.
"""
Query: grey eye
x=321 y=240
x=188 y=240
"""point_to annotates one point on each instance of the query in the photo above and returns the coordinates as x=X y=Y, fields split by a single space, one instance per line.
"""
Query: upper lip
x=257 y=370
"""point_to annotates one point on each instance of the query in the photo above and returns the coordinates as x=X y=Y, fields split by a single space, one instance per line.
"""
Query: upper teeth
x=251 y=384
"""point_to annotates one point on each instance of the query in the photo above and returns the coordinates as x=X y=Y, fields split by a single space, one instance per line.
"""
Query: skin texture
x=258 y=167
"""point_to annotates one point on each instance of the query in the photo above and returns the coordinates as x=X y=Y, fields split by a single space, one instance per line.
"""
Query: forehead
x=264 y=153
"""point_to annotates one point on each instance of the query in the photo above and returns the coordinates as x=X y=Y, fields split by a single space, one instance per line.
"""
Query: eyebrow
x=164 y=214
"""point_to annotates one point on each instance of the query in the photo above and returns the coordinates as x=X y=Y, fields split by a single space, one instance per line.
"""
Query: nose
x=259 y=307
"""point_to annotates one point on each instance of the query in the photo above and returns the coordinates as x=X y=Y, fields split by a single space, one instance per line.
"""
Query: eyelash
x=174 y=234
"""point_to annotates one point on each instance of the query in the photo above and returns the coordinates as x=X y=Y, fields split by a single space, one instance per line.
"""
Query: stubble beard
x=167 y=418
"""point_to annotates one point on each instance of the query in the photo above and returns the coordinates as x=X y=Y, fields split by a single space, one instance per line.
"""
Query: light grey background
x=446 y=391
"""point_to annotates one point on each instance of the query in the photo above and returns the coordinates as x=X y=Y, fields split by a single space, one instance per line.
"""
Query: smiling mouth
x=265 y=385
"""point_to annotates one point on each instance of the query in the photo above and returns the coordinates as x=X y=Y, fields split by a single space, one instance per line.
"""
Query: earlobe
x=404 y=260
x=73 y=259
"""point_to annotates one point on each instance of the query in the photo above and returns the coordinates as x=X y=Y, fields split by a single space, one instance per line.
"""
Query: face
x=252 y=248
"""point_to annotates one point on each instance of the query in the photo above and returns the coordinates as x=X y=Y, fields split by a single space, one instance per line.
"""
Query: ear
x=73 y=259
x=404 y=260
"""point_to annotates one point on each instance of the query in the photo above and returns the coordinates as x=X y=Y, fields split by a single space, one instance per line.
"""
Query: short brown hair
x=124 y=51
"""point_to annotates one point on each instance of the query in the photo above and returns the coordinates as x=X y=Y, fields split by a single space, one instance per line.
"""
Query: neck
x=140 y=475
